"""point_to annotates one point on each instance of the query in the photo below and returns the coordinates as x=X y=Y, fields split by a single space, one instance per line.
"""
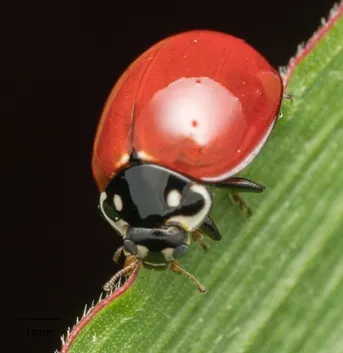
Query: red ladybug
x=190 y=112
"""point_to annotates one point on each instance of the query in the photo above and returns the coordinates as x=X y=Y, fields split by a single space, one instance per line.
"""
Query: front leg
x=175 y=267
x=197 y=237
x=117 y=254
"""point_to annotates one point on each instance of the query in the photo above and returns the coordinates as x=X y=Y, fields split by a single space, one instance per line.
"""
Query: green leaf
x=275 y=281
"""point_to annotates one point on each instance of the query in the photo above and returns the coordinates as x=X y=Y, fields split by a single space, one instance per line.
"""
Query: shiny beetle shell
x=201 y=103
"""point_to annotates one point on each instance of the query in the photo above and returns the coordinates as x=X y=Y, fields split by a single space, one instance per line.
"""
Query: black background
x=61 y=62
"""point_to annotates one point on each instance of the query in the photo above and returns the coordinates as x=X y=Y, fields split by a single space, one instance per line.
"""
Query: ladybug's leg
x=175 y=267
x=236 y=185
x=209 y=229
x=237 y=200
x=197 y=236
x=131 y=264
x=288 y=96
x=117 y=254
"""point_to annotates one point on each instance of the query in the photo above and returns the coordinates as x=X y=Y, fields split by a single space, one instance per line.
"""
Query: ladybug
x=190 y=112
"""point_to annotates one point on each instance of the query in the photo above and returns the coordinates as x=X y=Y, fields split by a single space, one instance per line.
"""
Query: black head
x=154 y=208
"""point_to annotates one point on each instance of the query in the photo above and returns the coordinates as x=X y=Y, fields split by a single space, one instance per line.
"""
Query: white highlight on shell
x=173 y=198
x=193 y=99
x=123 y=160
x=118 y=202
x=144 y=156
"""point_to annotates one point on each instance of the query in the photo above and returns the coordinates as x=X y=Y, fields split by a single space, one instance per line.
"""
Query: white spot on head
x=191 y=223
x=142 y=251
x=202 y=190
x=168 y=254
x=173 y=198
x=118 y=202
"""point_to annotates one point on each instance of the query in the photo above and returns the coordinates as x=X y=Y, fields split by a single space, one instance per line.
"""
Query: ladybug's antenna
x=175 y=267
x=109 y=285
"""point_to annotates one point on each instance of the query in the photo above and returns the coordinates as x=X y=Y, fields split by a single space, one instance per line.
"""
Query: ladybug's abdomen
x=205 y=105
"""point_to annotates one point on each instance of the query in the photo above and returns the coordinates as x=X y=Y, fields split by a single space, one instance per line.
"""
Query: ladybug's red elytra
x=190 y=112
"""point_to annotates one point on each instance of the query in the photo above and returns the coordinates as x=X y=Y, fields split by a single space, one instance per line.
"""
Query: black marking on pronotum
x=143 y=189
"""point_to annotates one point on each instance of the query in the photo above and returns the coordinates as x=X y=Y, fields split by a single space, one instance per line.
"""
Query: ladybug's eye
x=173 y=198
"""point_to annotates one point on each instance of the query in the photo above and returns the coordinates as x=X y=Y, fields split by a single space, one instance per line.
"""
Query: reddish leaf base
x=93 y=311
